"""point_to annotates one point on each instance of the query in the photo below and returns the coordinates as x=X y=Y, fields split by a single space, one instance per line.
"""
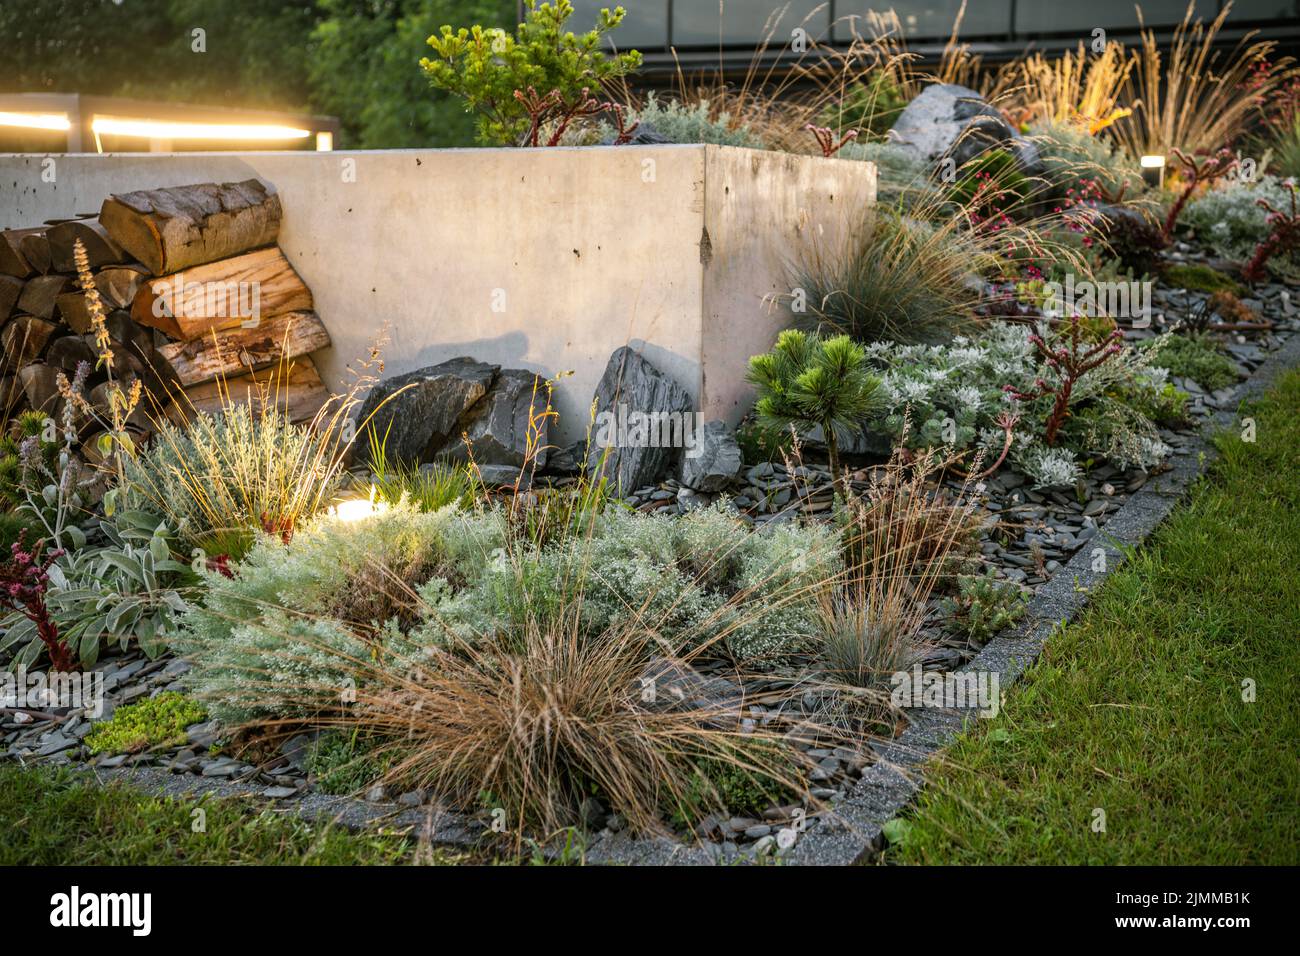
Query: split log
x=12 y=260
x=40 y=295
x=118 y=285
x=36 y=250
x=239 y=350
x=101 y=250
x=11 y=393
x=221 y=295
x=11 y=287
x=23 y=339
x=182 y=226
x=40 y=384
x=70 y=351
x=297 y=390
x=71 y=309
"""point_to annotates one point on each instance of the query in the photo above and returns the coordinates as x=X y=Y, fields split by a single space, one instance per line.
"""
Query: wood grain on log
x=12 y=260
x=11 y=287
x=175 y=228
x=221 y=295
x=23 y=339
x=40 y=386
x=118 y=285
x=101 y=250
x=239 y=350
x=297 y=390
x=36 y=250
x=41 y=294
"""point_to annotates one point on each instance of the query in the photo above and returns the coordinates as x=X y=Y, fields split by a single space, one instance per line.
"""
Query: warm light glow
x=1153 y=162
x=324 y=141
x=358 y=509
x=158 y=130
x=57 y=121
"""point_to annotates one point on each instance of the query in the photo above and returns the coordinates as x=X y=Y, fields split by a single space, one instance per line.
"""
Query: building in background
x=694 y=34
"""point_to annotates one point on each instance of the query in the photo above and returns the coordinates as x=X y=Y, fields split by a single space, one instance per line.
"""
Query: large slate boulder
x=631 y=395
x=497 y=424
x=955 y=121
x=715 y=460
x=420 y=420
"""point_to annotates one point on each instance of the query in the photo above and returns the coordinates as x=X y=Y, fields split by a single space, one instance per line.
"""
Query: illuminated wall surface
x=654 y=24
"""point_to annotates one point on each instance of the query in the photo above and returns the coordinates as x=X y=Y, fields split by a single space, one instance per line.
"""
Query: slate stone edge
x=852 y=832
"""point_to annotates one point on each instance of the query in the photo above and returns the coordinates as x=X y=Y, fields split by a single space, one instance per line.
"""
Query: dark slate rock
x=630 y=389
x=715 y=460
x=497 y=424
x=420 y=421
x=951 y=120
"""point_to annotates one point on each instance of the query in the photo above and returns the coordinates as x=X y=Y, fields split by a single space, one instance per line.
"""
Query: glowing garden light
x=1153 y=170
x=151 y=129
x=358 y=509
x=53 y=121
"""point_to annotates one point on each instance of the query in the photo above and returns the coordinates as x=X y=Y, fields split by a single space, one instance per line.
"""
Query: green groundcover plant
x=1230 y=220
x=953 y=394
x=280 y=637
x=153 y=722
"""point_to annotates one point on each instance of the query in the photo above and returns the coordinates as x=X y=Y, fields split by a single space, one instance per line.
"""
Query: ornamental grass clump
x=504 y=673
x=535 y=722
x=903 y=538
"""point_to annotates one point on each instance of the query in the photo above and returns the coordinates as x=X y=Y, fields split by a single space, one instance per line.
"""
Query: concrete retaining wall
x=544 y=259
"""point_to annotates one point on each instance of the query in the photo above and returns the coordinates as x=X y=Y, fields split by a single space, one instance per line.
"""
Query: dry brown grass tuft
x=1197 y=100
x=904 y=536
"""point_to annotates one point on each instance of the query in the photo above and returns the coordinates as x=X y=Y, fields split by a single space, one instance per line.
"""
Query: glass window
x=645 y=26
x=1264 y=10
x=928 y=19
x=1111 y=15
x=700 y=23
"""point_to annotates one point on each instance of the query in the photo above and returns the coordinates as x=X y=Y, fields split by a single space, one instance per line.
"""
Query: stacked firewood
x=202 y=306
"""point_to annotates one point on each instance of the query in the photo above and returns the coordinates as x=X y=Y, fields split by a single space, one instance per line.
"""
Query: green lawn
x=52 y=818
x=1137 y=709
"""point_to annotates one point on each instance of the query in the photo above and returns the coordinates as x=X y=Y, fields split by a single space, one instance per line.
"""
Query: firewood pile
x=202 y=306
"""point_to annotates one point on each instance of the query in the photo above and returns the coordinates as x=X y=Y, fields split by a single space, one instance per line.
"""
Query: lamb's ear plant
x=808 y=381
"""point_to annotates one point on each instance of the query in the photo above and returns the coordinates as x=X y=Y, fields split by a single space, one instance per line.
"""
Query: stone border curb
x=852 y=831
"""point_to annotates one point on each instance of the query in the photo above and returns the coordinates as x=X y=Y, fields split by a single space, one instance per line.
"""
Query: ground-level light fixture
x=358 y=509
x=1153 y=170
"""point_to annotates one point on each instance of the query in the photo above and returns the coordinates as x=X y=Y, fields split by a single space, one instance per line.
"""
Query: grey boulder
x=416 y=414
x=947 y=120
x=636 y=407
x=715 y=460
x=497 y=424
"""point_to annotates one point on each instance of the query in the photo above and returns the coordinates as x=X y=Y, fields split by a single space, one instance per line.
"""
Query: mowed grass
x=52 y=818
x=1137 y=710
